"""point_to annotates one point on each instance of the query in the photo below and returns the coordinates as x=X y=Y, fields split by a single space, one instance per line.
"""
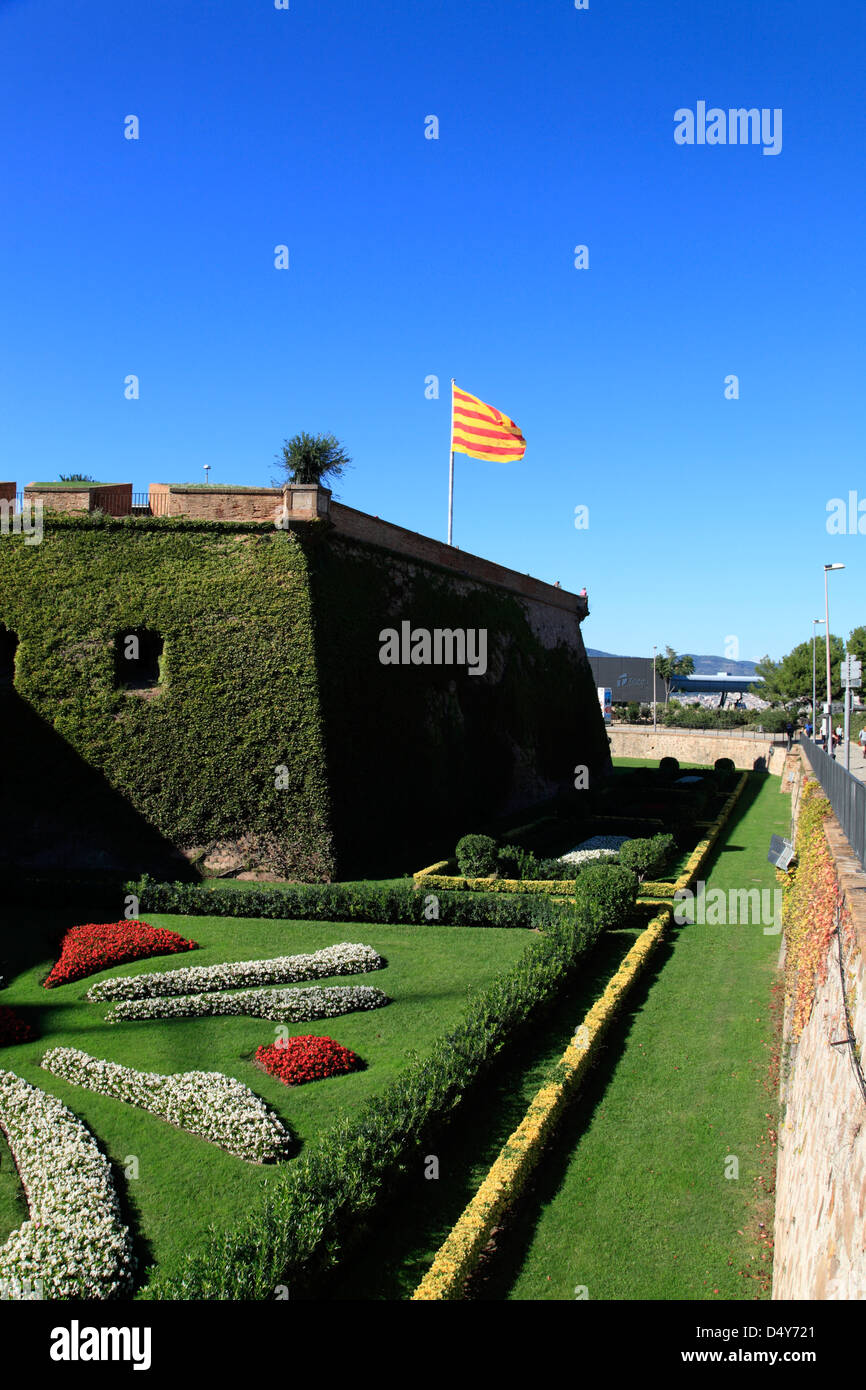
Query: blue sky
x=455 y=257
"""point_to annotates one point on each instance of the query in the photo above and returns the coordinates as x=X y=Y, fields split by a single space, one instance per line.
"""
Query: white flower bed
x=347 y=958
x=596 y=847
x=214 y=1107
x=281 y=1005
x=74 y=1243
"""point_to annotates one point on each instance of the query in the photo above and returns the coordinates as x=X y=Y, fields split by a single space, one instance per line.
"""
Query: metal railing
x=845 y=793
x=739 y=731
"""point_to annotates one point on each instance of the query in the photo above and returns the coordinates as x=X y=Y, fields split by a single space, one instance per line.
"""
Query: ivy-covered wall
x=270 y=673
x=193 y=760
x=419 y=755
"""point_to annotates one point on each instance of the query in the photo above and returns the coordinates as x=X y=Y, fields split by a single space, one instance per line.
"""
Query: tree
x=76 y=478
x=671 y=665
x=857 y=643
x=791 y=678
x=310 y=458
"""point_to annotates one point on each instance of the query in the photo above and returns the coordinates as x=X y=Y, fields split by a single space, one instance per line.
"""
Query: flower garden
x=249 y=1071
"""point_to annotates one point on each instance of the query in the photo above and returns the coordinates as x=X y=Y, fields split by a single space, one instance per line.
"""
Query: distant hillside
x=704 y=665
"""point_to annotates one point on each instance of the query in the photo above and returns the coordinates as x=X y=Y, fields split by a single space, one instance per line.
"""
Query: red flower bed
x=307 y=1058
x=12 y=1028
x=98 y=946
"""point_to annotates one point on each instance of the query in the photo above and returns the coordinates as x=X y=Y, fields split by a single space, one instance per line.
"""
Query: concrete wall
x=820 y=1223
x=691 y=746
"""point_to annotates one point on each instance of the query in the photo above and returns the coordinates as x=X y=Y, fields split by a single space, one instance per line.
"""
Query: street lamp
x=654 y=690
x=827 y=569
x=814 y=725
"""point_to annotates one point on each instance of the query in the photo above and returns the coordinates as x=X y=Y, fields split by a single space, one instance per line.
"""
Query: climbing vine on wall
x=196 y=758
x=811 y=897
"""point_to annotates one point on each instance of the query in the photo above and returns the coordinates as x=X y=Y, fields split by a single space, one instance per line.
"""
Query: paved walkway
x=856 y=761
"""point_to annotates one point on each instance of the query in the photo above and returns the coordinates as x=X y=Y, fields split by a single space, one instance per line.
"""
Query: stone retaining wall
x=691 y=746
x=820 y=1223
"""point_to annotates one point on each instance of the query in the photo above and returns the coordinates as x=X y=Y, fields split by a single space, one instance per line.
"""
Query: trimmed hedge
x=337 y=902
x=459 y=1255
x=490 y=887
x=700 y=853
x=314 y=1210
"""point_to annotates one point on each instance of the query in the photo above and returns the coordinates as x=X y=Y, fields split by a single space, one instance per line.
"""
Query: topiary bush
x=605 y=894
x=647 y=858
x=476 y=856
x=642 y=856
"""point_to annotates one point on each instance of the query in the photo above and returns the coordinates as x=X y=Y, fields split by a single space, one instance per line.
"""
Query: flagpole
x=451 y=470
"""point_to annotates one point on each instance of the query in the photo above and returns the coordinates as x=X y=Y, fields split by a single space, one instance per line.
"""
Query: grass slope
x=184 y=1183
x=632 y=1201
x=393 y=1260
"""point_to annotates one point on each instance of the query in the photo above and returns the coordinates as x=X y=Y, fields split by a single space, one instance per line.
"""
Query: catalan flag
x=482 y=431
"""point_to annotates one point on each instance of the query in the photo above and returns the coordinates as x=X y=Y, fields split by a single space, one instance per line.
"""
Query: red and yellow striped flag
x=482 y=431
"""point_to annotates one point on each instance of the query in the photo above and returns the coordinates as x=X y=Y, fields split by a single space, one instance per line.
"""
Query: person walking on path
x=789 y=730
x=863 y=741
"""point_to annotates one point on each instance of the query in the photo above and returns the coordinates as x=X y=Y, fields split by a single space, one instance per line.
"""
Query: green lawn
x=392 y=1262
x=654 y=762
x=632 y=1200
x=184 y=1183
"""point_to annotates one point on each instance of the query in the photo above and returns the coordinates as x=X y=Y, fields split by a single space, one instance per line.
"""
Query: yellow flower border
x=458 y=1255
x=654 y=890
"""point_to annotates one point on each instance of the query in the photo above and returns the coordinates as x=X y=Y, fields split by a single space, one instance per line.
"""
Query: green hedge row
x=337 y=902
x=317 y=1207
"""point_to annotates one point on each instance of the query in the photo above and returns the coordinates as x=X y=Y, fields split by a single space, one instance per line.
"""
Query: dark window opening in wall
x=138 y=659
x=8 y=647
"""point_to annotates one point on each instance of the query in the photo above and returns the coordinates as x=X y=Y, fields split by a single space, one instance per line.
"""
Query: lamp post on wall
x=827 y=569
x=814 y=725
x=206 y=467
